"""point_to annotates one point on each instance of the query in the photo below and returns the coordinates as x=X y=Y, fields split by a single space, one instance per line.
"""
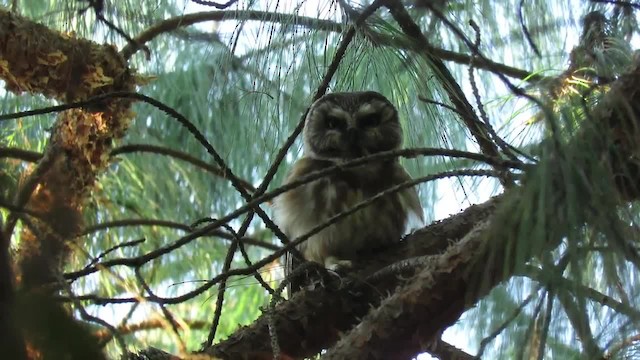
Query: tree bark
x=38 y=60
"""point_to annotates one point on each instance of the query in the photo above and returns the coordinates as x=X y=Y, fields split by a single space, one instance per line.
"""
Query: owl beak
x=353 y=138
x=352 y=135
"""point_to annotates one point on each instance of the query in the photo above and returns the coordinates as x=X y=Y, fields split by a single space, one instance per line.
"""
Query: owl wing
x=288 y=208
x=289 y=205
x=410 y=199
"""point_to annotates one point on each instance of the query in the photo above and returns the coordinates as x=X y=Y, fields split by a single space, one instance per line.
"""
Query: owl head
x=347 y=125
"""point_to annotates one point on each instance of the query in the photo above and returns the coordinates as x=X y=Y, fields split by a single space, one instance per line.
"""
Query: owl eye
x=333 y=122
x=369 y=120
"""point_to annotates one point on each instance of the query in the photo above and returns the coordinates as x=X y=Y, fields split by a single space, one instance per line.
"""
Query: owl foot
x=334 y=264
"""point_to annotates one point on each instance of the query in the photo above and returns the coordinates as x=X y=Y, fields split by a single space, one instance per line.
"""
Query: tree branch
x=304 y=332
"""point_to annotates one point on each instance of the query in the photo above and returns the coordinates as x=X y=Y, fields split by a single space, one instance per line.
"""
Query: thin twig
x=455 y=93
x=114 y=248
x=516 y=312
x=617 y=347
x=501 y=75
x=504 y=146
x=171 y=224
x=532 y=325
x=215 y=4
x=346 y=40
x=172 y=322
x=238 y=15
x=525 y=30
x=506 y=179
x=131 y=148
x=547 y=323
x=86 y=316
x=619 y=2
x=22 y=154
x=27 y=188
x=237 y=242
x=293 y=184
x=182 y=120
x=140 y=260
x=137 y=261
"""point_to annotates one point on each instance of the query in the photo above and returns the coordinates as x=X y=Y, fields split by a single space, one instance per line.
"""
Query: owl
x=340 y=127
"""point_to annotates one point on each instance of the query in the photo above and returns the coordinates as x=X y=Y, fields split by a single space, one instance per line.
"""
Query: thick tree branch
x=431 y=301
x=445 y=288
x=38 y=60
x=66 y=69
x=11 y=339
x=311 y=320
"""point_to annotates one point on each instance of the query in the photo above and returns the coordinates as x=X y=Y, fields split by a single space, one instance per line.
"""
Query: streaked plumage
x=338 y=128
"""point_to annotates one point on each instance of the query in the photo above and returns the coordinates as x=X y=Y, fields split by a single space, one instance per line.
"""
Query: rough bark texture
x=313 y=319
x=408 y=320
x=38 y=60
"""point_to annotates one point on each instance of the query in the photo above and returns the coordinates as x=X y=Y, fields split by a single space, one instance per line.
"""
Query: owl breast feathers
x=340 y=127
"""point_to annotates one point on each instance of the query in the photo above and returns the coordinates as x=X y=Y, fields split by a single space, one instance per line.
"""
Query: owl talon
x=334 y=264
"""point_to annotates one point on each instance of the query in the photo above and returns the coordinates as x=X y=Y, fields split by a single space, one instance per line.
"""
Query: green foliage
x=245 y=86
